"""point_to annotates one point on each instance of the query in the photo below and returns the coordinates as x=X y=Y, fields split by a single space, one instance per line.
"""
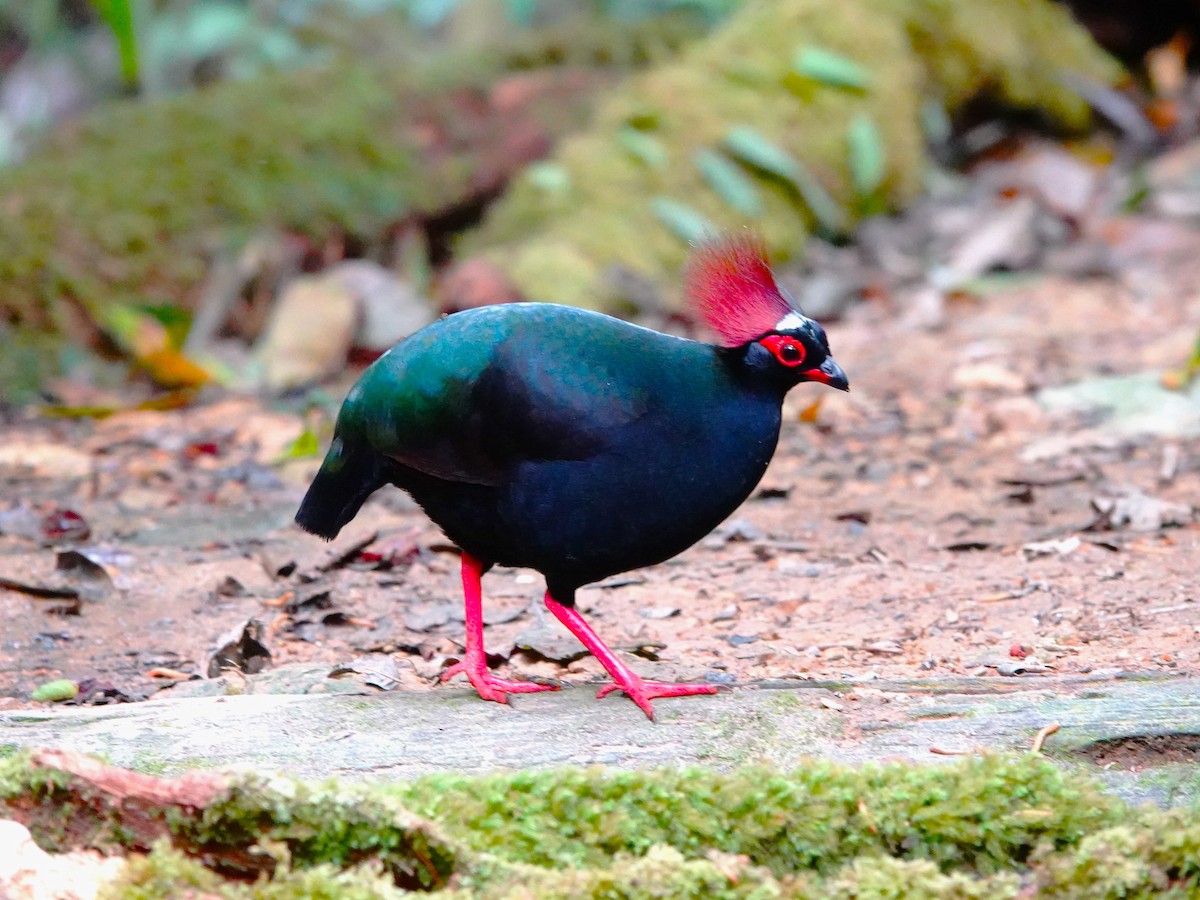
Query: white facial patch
x=792 y=321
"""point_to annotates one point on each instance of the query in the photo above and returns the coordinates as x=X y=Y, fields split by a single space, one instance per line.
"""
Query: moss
x=884 y=877
x=1157 y=855
x=1180 y=783
x=716 y=749
x=995 y=827
x=132 y=203
x=552 y=241
x=150 y=763
x=19 y=778
x=1016 y=51
x=662 y=873
x=981 y=814
x=311 y=825
x=166 y=872
x=45 y=795
x=324 y=824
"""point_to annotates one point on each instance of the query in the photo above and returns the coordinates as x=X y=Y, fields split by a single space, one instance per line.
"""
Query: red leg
x=624 y=678
x=474 y=662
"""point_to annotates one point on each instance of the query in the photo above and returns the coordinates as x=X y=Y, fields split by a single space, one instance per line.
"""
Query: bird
x=576 y=444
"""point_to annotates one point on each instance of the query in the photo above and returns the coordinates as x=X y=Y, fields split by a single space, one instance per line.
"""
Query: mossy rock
x=556 y=238
x=132 y=203
x=999 y=826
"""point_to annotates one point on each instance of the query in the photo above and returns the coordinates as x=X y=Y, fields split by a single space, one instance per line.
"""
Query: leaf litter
x=941 y=485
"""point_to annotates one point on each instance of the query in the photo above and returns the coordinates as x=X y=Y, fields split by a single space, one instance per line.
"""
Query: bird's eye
x=784 y=349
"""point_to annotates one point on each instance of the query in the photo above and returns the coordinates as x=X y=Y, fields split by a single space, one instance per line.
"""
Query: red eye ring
x=788 y=351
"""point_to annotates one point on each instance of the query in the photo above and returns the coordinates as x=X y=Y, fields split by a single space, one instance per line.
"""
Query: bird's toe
x=489 y=686
x=642 y=692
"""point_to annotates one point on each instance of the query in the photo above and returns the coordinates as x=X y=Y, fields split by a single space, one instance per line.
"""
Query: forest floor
x=949 y=517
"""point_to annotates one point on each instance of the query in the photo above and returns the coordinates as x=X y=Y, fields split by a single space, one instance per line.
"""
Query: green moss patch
x=815 y=102
x=994 y=827
x=243 y=825
x=978 y=815
x=131 y=204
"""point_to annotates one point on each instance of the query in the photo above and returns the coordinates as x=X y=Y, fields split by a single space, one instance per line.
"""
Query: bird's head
x=730 y=286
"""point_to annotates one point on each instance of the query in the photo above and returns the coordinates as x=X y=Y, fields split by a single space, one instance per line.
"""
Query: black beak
x=829 y=373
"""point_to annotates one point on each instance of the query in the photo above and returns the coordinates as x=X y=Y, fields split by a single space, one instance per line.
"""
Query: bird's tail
x=348 y=476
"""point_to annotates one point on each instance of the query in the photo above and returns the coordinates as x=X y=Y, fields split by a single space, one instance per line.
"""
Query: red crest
x=730 y=286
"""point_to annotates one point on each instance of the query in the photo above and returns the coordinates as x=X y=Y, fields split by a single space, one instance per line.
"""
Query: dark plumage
x=573 y=443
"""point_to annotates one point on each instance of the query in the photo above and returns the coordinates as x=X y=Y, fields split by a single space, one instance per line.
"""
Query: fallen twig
x=1040 y=737
x=173 y=674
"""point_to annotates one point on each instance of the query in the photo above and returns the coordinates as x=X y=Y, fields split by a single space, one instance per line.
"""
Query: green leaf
x=521 y=12
x=118 y=16
x=867 y=156
x=211 y=28
x=751 y=147
x=176 y=319
x=830 y=68
x=429 y=14
x=55 y=691
x=77 y=412
x=729 y=182
x=684 y=222
x=134 y=330
x=303 y=447
x=1194 y=360
x=645 y=148
x=549 y=177
x=935 y=122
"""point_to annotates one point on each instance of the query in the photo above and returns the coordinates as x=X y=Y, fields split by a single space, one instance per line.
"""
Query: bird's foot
x=489 y=686
x=642 y=692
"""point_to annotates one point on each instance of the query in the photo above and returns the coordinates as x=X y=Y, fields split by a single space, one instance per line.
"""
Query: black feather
x=349 y=475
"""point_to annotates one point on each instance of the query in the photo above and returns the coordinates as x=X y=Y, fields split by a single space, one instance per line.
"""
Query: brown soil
x=886 y=541
x=1136 y=754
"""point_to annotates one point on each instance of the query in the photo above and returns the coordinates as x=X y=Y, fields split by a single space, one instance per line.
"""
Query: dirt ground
x=890 y=538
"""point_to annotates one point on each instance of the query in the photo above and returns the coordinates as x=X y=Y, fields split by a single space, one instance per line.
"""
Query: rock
x=308 y=334
x=1131 y=508
x=476 y=282
x=1061 y=181
x=658 y=612
x=1019 y=414
x=988 y=376
x=317 y=319
x=401 y=734
x=1172 y=179
x=377 y=670
x=1135 y=404
x=389 y=307
x=45 y=460
x=429 y=618
x=27 y=872
x=549 y=641
x=1051 y=547
x=21 y=521
x=1002 y=238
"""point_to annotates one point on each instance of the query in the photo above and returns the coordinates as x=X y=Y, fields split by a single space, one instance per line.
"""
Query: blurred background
x=214 y=214
x=248 y=194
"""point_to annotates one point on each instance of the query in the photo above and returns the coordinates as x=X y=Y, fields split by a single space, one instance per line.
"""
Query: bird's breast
x=654 y=489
